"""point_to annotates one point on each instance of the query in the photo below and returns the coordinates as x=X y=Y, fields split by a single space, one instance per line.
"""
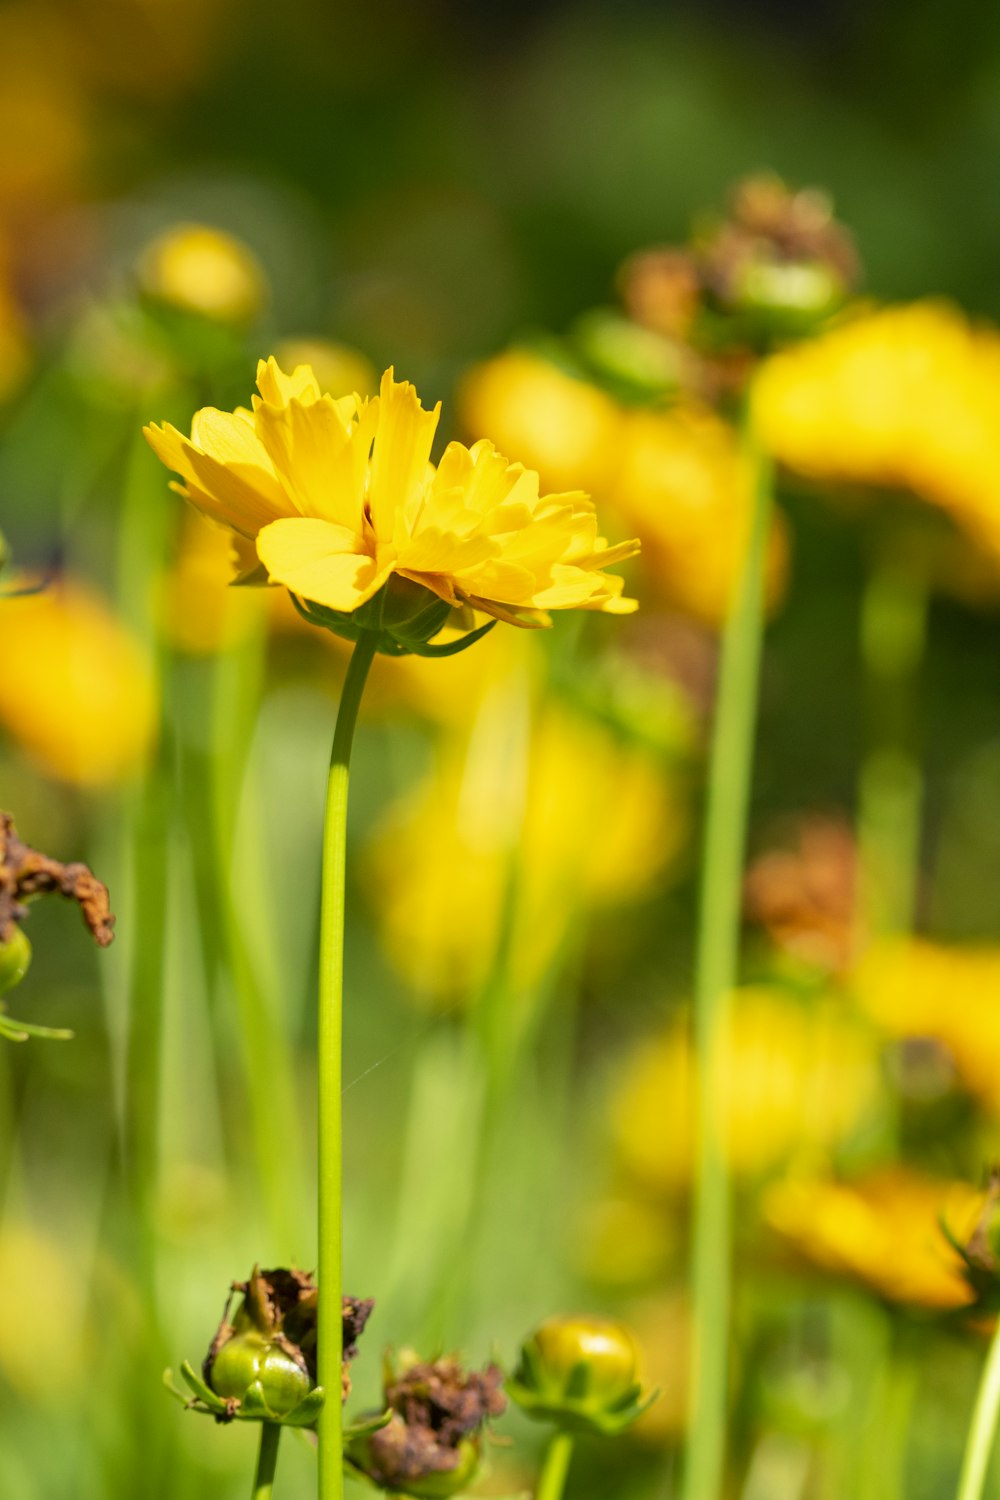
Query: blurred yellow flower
x=798 y=1079
x=338 y=496
x=914 y=988
x=562 y=426
x=906 y=398
x=884 y=1231
x=43 y=1334
x=681 y=482
x=199 y=614
x=674 y=474
x=204 y=270
x=78 y=693
x=441 y=867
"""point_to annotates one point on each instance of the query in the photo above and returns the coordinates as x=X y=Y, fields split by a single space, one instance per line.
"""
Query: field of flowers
x=500 y=645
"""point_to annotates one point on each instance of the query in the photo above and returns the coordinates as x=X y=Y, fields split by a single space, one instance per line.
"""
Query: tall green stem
x=893 y=630
x=558 y=1455
x=267 y=1461
x=716 y=970
x=982 y=1427
x=331 y=994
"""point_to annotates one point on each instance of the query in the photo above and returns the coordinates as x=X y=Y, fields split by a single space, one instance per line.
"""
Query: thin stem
x=331 y=987
x=267 y=1460
x=982 y=1427
x=893 y=631
x=555 y=1467
x=716 y=970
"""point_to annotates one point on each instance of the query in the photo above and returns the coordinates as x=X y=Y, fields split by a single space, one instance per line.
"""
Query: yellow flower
x=797 y=1080
x=884 y=1231
x=204 y=270
x=674 y=474
x=78 y=693
x=337 y=497
x=564 y=427
x=681 y=482
x=199 y=614
x=441 y=866
x=914 y=988
x=905 y=398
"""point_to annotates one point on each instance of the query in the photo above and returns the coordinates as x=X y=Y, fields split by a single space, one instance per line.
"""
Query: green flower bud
x=261 y=1365
x=248 y=1359
x=786 y=299
x=582 y=1374
x=15 y=956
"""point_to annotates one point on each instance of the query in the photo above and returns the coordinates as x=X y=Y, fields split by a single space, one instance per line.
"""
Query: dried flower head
x=430 y=1445
x=26 y=872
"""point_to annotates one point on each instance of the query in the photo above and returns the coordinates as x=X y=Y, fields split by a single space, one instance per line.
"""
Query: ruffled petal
x=321 y=561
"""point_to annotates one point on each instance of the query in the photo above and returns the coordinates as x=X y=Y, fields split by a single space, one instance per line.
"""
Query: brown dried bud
x=430 y=1446
x=804 y=896
x=25 y=872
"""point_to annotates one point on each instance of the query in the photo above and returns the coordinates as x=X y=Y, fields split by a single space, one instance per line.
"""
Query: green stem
x=893 y=630
x=552 y=1479
x=267 y=1461
x=982 y=1427
x=331 y=987
x=716 y=970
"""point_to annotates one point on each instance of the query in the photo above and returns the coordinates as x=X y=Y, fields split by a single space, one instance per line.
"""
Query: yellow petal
x=277 y=388
x=321 y=454
x=399 y=470
x=321 y=561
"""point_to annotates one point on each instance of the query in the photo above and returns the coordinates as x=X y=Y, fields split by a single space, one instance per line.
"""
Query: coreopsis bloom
x=918 y=990
x=797 y=1080
x=674 y=474
x=884 y=1230
x=683 y=483
x=563 y=426
x=78 y=694
x=336 y=499
x=444 y=934
x=901 y=399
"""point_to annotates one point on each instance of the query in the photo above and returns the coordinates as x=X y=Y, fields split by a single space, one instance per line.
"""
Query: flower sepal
x=400 y=633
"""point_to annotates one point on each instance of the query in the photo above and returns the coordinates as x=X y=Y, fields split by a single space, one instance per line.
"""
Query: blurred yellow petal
x=78 y=694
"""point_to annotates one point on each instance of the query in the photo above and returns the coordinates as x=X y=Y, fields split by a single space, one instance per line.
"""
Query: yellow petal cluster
x=914 y=988
x=883 y=1231
x=336 y=496
x=675 y=474
x=682 y=483
x=440 y=870
x=795 y=1080
x=906 y=398
x=78 y=693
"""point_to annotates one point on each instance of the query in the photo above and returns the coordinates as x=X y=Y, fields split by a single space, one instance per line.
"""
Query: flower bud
x=197 y=269
x=247 y=1358
x=15 y=956
x=261 y=1365
x=580 y=1373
